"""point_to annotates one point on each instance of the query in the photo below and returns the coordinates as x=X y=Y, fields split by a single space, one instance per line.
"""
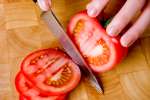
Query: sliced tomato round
x=29 y=92
x=52 y=71
x=101 y=51
x=21 y=97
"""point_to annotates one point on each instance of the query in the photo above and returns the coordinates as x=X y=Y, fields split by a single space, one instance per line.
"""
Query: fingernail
x=112 y=31
x=49 y=1
x=92 y=12
x=43 y=5
x=127 y=43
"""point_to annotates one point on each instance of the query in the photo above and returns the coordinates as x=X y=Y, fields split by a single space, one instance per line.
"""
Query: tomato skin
x=21 y=97
x=117 y=52
x=46 y=90
x=29 y=92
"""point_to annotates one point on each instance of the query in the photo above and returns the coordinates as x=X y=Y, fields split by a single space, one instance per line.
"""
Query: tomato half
x=101 y=51
x=29 y=92
x=52 y=71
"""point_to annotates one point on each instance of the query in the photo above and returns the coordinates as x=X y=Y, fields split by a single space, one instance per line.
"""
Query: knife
x=56 y=28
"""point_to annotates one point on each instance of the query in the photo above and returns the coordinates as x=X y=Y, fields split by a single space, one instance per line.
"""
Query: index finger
x=95 y=7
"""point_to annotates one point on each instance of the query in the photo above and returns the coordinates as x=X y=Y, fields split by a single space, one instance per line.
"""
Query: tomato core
x=101 y=59
x=63 y=76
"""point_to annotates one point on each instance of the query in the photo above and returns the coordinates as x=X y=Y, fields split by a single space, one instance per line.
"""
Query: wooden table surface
x=22 y=31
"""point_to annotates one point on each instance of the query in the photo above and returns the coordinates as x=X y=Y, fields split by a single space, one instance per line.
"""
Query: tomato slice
x=29 y=92
x=101 y=51
x=52 y=71
x=21 y=97
x=24 y=98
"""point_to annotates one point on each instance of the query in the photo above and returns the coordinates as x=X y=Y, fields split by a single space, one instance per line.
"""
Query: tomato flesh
x=52 y=71
x=94 y=49
x=29 y=92
x=101 y=51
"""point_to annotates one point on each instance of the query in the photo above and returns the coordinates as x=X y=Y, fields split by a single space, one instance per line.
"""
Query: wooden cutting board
x=22 y=31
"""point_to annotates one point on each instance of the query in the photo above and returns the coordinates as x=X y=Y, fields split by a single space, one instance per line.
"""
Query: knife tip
x=100 y=91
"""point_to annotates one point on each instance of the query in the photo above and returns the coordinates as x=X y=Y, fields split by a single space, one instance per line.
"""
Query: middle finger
x=124 y=16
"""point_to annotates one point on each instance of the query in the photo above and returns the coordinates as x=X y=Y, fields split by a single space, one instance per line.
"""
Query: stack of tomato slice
x=101 y=51
x=47 y=74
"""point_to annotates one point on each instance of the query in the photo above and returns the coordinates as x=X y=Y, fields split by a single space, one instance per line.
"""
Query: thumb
x=44 y=4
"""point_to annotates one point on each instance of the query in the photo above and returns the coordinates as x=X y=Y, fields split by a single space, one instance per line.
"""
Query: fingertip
x=44 y=5
x=127 y=41
x=91 y=10
x=49 y=2
x=123 y=42
x=95 y=7
x=112 y=30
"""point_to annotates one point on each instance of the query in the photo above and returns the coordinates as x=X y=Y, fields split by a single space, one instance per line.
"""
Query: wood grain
x=130 y=80
x=15 y=68
x=136 y=85
x=64 y=9
x=135 y=55
x=20 y=14
x=145 y=44
x=5 y=85
x=12 y=1
x=21 y=43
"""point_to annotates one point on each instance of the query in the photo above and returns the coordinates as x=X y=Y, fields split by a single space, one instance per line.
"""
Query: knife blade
x=56 y=28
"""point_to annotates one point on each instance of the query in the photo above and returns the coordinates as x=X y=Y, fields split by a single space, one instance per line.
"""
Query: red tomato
x=29 y=92
x=101 y=51
x=51 y=71
x=21 y=97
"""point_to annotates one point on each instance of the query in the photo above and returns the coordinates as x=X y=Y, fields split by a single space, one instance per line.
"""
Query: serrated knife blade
x=56 y=28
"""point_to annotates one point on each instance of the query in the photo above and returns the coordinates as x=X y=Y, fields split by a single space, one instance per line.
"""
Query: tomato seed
x=40 y=70
x=57 y=83
x=33 y=62
x=48 y=82
x=79 y=26
x=61 y=82
x=42 y=56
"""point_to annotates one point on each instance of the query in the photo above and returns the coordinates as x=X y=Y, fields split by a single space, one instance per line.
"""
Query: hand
x=44 y=4
x=123 y=17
